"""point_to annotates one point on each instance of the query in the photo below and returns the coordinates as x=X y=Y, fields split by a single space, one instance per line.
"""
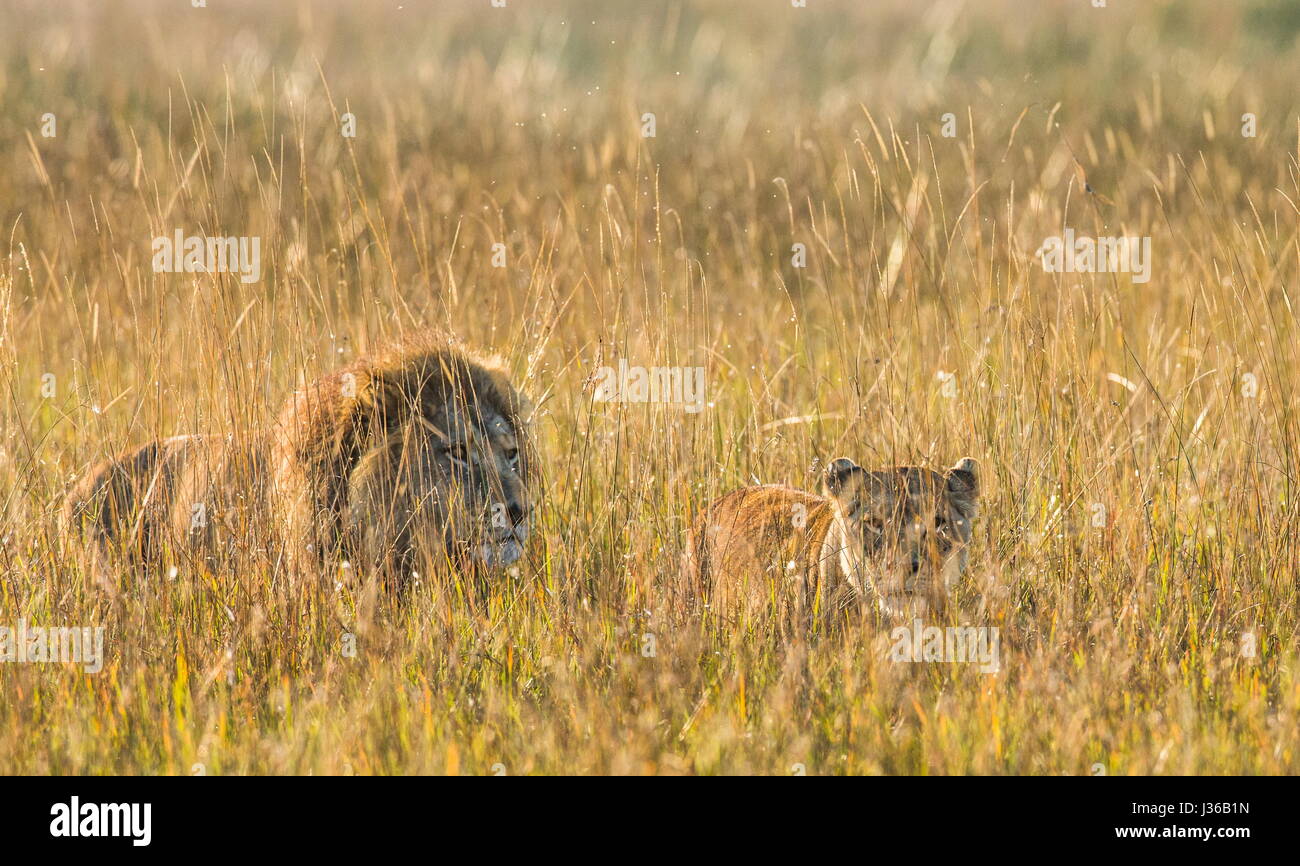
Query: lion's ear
x=317 y=437
x=382 y=404
x=328 y=424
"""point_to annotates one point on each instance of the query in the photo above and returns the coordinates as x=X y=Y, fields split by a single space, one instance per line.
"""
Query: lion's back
x=123 y=503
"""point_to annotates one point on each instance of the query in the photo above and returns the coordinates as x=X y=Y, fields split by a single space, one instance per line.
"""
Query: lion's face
x=453 y=481
x=903 y=532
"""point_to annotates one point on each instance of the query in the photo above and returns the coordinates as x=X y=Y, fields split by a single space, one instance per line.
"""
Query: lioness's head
x=419 y=452
x=902 y=533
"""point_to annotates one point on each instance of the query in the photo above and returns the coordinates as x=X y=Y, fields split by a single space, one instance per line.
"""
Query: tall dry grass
x=1124 y=646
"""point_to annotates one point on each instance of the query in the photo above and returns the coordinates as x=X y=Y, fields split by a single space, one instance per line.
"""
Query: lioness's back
x=757 y=544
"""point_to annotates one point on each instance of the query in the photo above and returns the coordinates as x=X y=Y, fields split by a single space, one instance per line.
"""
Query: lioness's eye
x=513 y=457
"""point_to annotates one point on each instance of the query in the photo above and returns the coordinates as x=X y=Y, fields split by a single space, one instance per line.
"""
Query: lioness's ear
x=853 y=487
x=963 y=479
x=838 y=475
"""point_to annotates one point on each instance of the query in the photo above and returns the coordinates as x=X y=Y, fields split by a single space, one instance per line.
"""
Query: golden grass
x=1122 y=645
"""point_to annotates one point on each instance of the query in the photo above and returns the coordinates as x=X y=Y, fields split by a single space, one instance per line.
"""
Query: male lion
x=418 y=452
x=896 y=538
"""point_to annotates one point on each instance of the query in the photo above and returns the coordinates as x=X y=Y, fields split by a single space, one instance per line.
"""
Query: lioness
x=896 y=538
x=417 y=452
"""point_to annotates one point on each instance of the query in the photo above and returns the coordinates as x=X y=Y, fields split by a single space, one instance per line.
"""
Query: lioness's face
x=454 y=481
x=903 y=532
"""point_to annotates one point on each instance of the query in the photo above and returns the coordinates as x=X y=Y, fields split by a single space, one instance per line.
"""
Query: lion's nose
x=916 y=563
x=518 y=511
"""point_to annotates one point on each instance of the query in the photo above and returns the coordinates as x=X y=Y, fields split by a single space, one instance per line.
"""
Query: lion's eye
x=457 y=451
x=512 y=456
